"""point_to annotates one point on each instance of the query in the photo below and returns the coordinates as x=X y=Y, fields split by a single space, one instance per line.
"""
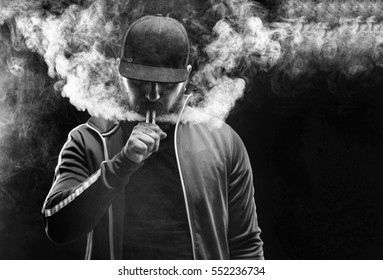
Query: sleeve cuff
x=116 y=172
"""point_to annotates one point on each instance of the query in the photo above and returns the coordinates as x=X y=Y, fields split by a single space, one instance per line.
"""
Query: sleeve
x=244 y=232
x=78 y=199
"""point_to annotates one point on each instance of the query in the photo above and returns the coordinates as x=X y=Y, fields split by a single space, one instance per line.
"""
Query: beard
x=162 y=107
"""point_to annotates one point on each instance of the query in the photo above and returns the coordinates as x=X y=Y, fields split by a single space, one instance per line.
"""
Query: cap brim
x=151 y=73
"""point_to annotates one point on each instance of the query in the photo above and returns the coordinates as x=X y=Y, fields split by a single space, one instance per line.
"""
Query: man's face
x=165 y=98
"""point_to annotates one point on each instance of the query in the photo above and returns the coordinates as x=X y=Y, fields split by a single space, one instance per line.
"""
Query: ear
x=189 y=68
x=123 y=82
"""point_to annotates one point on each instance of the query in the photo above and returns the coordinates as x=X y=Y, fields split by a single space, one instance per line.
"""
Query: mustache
x=142 y=107
x=161 y=106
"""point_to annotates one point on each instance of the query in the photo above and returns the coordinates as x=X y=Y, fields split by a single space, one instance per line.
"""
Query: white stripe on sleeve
x=69 y=199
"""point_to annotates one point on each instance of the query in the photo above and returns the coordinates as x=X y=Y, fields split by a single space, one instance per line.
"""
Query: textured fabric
x=155 y=222
x=218 y=190
x=156 y=49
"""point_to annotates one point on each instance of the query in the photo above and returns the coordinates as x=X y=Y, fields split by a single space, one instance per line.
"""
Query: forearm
x=244 y=232
x=73 y=209
x=247 y=246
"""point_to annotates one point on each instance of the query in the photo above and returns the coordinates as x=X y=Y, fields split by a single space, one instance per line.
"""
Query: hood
x=102 y=125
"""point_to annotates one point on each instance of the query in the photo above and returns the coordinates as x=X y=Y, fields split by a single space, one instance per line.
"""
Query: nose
x=154 y=92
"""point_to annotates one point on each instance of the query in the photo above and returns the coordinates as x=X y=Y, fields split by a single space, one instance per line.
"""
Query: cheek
x=173 y=95
x=136 y=93
x=169 y=99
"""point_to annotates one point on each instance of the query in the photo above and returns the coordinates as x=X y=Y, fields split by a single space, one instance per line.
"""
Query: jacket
x=87 y=196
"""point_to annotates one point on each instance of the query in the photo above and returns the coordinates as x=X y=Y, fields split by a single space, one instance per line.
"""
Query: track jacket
x=87 y=196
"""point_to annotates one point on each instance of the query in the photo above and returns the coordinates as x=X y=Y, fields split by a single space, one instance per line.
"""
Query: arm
x=78 y=199
x=244 y=233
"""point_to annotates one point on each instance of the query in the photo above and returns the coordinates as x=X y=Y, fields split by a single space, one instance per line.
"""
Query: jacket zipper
x=110 y=209
x=182 y=179
x=89 y=245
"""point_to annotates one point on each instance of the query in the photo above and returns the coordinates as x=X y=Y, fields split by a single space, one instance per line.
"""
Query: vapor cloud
x=73 y=45
x=79 y=43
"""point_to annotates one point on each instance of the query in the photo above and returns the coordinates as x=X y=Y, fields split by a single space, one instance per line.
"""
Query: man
x=141 y=190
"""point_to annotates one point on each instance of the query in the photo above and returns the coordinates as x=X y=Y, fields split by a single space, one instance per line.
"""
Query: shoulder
x=102 y=125
x=211 y=131
x=95 y=125
x=195 y=118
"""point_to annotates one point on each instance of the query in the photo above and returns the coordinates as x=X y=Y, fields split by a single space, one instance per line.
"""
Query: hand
x=143 y=141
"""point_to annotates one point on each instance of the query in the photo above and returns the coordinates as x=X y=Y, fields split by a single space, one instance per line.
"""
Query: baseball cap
x=155 y=48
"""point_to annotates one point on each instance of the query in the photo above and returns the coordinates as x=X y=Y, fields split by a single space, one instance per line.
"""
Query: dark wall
x=317 y=159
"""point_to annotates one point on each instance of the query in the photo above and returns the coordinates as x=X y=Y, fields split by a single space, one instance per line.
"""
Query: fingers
x=139 y=146
x=150 y=128
x=149 y=134
x=163 y=135
x=143 y=141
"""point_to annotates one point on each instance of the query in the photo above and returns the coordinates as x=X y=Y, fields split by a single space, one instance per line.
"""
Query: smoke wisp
x=79 y=42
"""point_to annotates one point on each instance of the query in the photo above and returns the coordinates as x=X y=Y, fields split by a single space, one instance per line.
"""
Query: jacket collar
x=102 y=125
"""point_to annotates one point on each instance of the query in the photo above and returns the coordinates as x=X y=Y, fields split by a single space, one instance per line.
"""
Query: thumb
x=163 y=135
